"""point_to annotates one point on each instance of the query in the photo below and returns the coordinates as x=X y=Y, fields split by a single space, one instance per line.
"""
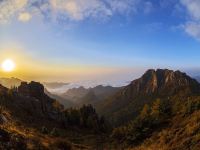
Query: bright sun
x=8 y=65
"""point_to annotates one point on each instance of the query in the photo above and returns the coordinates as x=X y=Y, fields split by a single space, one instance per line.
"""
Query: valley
x=145 y=113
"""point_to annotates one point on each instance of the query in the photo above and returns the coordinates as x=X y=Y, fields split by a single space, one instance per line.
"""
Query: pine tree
x=156 y=110
x=144 y=114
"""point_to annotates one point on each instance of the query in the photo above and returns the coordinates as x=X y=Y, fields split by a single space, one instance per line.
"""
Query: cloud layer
x=9 y=8
x=192 y=24
x=71 y=10
x=80 y=10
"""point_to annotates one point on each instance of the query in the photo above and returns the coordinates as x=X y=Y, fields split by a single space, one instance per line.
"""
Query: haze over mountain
x=72 y=97
x=75 y=75
x=98 y=93
x=197 y=78
x=161 y=102
x=54 y=85
x=28 y=110
x=64 y=101
x=10 y=82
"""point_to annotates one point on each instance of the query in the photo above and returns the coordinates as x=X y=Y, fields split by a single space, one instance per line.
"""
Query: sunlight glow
x=8 y=65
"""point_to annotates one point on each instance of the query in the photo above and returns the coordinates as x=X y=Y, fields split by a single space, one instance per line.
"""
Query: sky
x=108 y=41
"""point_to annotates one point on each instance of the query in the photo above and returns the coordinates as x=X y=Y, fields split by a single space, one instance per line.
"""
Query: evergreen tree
x=144 y=114
x=156 y=110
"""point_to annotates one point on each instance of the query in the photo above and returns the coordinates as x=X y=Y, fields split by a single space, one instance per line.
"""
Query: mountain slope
x=65 y=102
x=89 y=98
x=172 y=124
x=160 y=111
x=181 y=134
x=153 y=84
x=29 y=120
x=75 y=94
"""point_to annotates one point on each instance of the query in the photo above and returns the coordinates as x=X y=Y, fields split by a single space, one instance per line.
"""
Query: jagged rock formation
x=29 y=117
x=36 y=90
x=163 y=82
x=33 y=89
x=153 y=84
x=29 y=103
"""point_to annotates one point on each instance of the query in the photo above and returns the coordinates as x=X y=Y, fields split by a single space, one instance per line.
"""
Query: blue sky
x=100 y=39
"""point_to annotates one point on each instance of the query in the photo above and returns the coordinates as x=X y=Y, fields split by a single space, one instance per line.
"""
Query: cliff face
x=33 y=89
x=48 y=106
x=153 y=84
x=164 y=82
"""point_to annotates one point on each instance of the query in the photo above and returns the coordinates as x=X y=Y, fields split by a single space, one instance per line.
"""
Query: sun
x=8 y=65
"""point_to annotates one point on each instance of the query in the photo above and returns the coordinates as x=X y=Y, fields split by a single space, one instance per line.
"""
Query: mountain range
x=73 y=96
x=160 y=110
x=30 y=119
x=83 y=95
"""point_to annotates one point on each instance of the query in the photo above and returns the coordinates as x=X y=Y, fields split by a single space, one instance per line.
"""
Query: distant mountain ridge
x=10 y=82
x=83 y=95
x=64 y=101
x=161 y=83
x=197 y=78
x=160 y=110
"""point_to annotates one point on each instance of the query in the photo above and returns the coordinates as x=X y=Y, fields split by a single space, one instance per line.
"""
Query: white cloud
x=193 y=29
x=9 y=8
x=24 y=17
x=192 y=25
x=81 y=9
x=123 y=6
x=70 y=10
x=192 y=7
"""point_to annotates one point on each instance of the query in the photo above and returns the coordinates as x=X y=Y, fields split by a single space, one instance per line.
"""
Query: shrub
x=54 y=132
x=61 y=145
x=44 y=130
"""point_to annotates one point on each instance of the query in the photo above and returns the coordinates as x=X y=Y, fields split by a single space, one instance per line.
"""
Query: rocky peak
x=32 y=89
x=164 y=80
x=36 y=89
x=33 y=93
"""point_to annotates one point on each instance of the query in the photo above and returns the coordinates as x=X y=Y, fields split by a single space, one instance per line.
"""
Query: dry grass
x=183 y=134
